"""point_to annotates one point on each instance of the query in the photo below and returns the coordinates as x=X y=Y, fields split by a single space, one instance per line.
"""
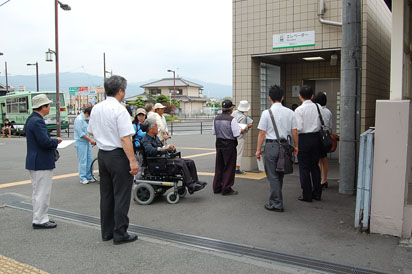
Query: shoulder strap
x=320 y=115
x=274 y=125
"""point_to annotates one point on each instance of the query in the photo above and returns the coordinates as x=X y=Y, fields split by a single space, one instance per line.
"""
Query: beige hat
x=243 y=105
x=158 y=105
x=40 y=100
x=140 y=111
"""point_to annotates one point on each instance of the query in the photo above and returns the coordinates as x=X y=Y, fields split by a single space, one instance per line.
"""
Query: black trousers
x=188 y=168
x=225 y=169
x=309 y=172
x=115 y=193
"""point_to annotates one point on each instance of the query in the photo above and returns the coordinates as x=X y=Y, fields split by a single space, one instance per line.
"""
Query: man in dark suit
x=40 y=160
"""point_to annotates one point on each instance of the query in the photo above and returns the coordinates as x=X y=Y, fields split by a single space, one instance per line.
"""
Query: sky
x=142 y=39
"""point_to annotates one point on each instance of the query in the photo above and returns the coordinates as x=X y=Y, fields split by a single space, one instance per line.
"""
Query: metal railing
x=183 y=128
x=364 y=186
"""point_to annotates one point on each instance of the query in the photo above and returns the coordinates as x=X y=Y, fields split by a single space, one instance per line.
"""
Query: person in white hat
x=245 y=123
x=40 y=160
x=161 y=122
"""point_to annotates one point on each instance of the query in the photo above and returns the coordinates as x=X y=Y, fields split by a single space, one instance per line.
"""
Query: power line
x=4 y=3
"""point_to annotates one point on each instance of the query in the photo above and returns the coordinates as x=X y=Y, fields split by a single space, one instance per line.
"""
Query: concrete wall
x=390 y=213
x=376 y=48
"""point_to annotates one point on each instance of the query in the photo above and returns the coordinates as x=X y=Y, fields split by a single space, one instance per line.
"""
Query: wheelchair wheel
x=172 y=198
x=94 y=170
x=182 y=191
x=144 y=194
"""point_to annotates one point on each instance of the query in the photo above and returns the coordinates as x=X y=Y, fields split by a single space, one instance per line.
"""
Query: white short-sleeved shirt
x=110 y=121
x=327 y=118
x=284 y=118
x=307 y=117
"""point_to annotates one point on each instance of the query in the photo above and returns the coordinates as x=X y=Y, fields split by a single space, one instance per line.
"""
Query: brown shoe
x=233 y=192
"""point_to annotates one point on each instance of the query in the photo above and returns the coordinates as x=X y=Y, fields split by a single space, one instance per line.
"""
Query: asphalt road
x=322 y=230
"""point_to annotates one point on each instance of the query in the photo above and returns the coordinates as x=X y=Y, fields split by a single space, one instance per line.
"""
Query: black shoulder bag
x=325 y=138
x=285 y=157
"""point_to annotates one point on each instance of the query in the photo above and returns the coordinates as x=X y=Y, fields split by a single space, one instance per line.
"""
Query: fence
x=175 y=128
x=364 y=188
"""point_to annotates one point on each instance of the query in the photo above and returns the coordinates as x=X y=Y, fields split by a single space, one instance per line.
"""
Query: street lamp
x=174 y=83
x=37 y=74
x=56 y=52
x=7 y=81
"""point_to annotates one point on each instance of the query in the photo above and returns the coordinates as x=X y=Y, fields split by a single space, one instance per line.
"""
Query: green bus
x=17 y=107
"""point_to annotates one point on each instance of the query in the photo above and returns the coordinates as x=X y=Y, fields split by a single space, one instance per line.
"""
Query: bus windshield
x=52 y=97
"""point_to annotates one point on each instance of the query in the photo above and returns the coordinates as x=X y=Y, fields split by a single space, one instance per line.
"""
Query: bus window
x=52 y=97
x=23 y=105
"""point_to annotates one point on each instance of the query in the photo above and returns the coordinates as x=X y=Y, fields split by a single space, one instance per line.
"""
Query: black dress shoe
x=128 y=239
x=107 y=238
x=202 y=183
x=47 y=225
x=271 y=208
x=300 y=198
x=317 y=198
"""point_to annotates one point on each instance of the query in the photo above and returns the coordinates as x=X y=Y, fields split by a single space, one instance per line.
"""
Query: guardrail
x=175 y=128
x=365 y=172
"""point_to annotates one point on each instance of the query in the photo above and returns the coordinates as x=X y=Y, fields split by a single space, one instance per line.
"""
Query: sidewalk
x=321 y=230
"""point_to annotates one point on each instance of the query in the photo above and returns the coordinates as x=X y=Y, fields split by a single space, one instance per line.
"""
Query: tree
x=162 y=99
x=176 y=103
x=227 y=98
x=139 y=103
x=150 y=98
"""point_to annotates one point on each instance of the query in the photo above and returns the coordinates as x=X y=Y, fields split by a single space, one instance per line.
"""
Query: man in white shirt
x=161 y=122
x=286 y=125
x=112 y=129
x=307 y=119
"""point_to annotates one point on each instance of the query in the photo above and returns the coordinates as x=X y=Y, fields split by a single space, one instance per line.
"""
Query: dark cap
x=227 y=105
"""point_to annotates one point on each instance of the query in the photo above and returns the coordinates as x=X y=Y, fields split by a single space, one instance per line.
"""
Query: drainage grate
x=212 y=244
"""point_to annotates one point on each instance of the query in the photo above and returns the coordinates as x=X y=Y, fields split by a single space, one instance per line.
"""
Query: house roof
x=168 y=82
x=179 y=98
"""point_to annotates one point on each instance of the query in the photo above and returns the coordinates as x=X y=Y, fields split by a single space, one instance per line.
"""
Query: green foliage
x=227 y=98
x=175 y=103
x=162 y=99
x=171 y=118
x=150 y=98
x=139 y=103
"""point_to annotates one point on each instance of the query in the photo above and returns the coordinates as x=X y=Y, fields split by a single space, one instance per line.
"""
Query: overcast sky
x=141 y=38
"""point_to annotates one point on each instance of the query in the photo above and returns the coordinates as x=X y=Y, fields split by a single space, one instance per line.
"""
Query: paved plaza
x=320 y=230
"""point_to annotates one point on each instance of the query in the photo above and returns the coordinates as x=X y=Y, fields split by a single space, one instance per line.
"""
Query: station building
x=298 y=42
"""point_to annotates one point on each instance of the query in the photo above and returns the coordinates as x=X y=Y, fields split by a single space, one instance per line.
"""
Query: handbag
x=335 y=140
x=325 y=138
x=285 y=157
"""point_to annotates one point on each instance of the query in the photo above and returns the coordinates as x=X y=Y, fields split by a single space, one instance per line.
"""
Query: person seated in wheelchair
x=154 y=147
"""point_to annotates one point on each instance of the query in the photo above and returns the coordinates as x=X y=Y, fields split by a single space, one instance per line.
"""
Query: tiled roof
x=168 y=82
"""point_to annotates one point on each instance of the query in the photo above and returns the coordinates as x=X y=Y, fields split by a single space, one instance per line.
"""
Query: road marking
x=247 y=175
x=25 y=182
x=8 y=265
x=198 y=148
x=200 y=155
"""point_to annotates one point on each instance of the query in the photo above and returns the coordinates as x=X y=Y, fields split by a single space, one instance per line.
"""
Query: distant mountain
x=68 y=79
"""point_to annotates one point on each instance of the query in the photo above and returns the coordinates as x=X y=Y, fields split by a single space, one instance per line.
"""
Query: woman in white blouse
x=320 y=98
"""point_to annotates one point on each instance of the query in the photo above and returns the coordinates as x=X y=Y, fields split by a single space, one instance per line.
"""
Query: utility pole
x=350 y=94
x=7 y=79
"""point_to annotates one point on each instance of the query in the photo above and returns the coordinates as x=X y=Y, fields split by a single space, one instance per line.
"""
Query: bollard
x=171 y=127
x=201 y=128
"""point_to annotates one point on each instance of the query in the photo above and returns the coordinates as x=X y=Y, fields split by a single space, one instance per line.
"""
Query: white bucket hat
x=158 y=105
x=243 y=105
x=40 y=100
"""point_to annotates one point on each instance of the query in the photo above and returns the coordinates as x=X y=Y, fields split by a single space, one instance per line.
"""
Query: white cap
x=243 y=105
x=40 y=100
x=158 y=105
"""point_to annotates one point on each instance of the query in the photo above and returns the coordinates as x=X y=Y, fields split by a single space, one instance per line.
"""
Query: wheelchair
x=158 y=176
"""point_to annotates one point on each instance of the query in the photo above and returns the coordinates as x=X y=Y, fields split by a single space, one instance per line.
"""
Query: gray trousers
x=275 y=178
x=41 y=181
